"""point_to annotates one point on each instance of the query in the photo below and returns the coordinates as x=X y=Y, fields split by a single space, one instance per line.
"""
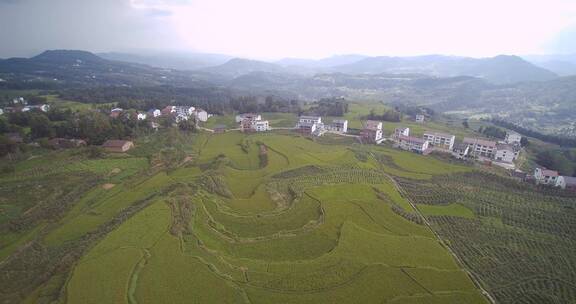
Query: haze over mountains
x=501 y=69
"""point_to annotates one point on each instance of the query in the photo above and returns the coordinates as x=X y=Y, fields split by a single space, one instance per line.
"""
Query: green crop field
x=276 y=218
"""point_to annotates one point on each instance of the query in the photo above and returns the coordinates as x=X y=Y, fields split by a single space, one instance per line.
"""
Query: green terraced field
x=199 y=218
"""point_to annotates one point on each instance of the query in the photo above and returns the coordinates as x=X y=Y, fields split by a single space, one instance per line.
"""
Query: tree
x=524 y=141
x=7 y=146
x=41 y=126
x=465 y=124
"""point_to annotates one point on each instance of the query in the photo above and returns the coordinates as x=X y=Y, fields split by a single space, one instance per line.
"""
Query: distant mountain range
x=80 y=68
x=561 y=64
x=499 y=70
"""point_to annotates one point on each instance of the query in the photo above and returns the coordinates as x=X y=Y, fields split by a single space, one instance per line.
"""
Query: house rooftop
x=438 y=134
x=569 y=180
x=483 y=142
x=547 y=172
x=505 y=147
x=412 y=139
x=310 y=117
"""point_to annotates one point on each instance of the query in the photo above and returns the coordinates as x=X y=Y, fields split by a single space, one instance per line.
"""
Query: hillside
x=238 y=66
x=276 y=218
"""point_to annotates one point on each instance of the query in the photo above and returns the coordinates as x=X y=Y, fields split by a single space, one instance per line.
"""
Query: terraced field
x=275 y=218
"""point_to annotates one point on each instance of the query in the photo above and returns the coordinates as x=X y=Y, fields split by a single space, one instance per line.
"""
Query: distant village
x=500 y=153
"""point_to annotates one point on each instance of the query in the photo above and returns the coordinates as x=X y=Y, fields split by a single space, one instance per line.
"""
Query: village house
x=413 y=144
x=440 y=140
x=372 y=131
x=42 y=107
x=544 y=176
x=154 y=113
x=184 y=110
x=401 y=131
x=19 y=100
x=513 y=138
x=420 y=118
x=116 y=112
x=253 y=116
x=311 y=125
x=117 y=146
x=566 y=183
x=64 y=143
x=201 y=115
x=505 y=153
x=254 y=123
x=460 y=150
x=481 y=147
x=168 y=110
x=141 y=116
x=338 y=125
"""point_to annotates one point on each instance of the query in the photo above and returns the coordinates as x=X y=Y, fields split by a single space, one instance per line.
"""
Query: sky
x=273 y=29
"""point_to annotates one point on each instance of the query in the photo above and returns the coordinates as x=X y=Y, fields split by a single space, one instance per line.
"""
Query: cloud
x=103 y=25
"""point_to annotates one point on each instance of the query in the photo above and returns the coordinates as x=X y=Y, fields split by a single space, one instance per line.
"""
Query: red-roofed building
x=372 y=131
x=543 y=176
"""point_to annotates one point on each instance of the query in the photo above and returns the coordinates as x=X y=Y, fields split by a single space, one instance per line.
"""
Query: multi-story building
x=311 y=125
x=339 y=125
x=440 y=140
x=253 y=116
x=505 y=153
x=372 y=131
x=543 y=176
x=513 y=138
x=481 y=147
x=460 y=150
x=401 y=132
x=420 y=118
x=413 y=144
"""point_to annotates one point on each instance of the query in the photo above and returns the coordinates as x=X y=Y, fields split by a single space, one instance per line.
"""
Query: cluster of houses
x=313 y=125
x=21 y=105
x=547 y=177
x=178 y=113
x=503 y=152
x=250 y=122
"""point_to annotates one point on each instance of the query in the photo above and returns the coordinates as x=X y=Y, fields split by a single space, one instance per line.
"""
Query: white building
x=372 y=131
x=339 y=125
x=460 y=151
x=513 y=138
x=184 y=110
x=1 y=111
x=440 y=140
x=505 y=153
x=566 y=182
x=310 y=125
x=141 y=116
x=401 y=132
x=481 y=147
x=154 y=113
x=201 y=115
x=413 y=144
x=420 y=118
x=260 y=125
x=545 y=177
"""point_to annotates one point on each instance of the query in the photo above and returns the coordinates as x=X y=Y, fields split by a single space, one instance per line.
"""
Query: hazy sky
x=291 y=28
